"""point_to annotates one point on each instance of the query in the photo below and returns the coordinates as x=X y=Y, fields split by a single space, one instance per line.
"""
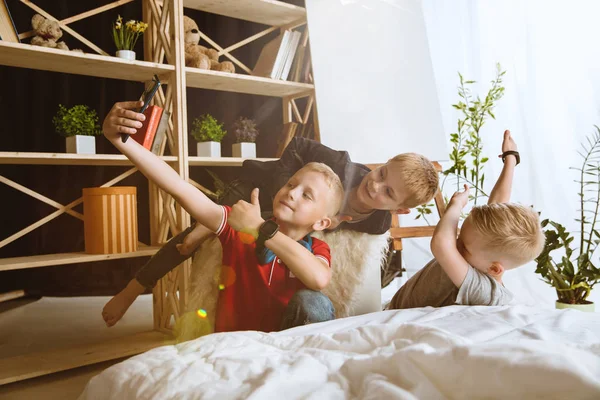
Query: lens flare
x=201 y=313
x=227 y=276
x=248 y=236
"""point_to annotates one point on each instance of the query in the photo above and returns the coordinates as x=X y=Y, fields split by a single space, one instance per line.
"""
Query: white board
x=374 y=82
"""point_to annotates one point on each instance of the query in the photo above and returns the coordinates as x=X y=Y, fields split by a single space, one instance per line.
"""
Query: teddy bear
x=47 y=32
x=198 y=56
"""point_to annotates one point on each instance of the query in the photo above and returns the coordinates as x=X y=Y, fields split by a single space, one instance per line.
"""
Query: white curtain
x=551 y=52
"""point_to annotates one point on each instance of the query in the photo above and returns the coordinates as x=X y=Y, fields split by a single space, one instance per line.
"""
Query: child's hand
x=122 y=119
x=245 y=216
x=508 y=144
x=337 y=220
x=461 y=198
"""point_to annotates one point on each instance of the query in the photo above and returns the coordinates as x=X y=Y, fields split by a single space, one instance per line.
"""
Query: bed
x=458 y=352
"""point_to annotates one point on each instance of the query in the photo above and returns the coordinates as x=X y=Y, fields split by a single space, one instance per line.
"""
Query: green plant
x=245 y=130
x=77 y=120
x=466 y=154
x=126 y=35
x=573 y=285
x=207 y=129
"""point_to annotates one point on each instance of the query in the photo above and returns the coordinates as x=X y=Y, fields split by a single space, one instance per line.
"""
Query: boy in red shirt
x=278 y=273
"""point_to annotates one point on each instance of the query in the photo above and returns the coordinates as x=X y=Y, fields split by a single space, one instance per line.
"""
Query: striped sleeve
x=321 y=250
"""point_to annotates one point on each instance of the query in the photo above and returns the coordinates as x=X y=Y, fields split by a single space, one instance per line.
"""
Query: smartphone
x=147 y=96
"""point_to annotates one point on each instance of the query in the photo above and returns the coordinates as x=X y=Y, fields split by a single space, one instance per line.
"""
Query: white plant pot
x=244 y=150
x=209 y=149
x=126 y=54
x=589 y=307
x=80 y=144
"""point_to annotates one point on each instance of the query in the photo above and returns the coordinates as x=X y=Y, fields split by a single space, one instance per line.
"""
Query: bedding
x=426 y=353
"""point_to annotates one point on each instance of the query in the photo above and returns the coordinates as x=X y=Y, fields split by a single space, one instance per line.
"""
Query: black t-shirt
x=270 y=176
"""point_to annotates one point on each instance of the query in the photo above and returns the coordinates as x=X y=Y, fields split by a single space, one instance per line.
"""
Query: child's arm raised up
x=122 y=119
x=503 y=187
x=443 y=242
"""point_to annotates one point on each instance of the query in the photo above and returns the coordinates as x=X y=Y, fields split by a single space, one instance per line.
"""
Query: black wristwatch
x=511 y=153
x=267 y=230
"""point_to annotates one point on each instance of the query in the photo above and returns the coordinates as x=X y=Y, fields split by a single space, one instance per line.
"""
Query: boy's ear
x=322 y=224
x=402 y=211
x=496 y=269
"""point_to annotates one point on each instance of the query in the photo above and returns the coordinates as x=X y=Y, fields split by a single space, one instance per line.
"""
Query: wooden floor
x=28 y=326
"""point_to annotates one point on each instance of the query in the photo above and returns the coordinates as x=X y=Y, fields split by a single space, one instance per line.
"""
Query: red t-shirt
x=254 y=296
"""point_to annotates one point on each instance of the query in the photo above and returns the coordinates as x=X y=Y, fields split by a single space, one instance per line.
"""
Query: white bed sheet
x=427 y=353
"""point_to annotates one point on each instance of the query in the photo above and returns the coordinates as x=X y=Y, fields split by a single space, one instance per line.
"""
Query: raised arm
x=122 y=119
x=443 y=242
x=503 y=187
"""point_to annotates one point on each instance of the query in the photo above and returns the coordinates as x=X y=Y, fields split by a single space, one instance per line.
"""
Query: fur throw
x=354 y=255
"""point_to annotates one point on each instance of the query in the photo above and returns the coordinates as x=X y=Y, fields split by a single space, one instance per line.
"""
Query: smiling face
x=383 y=188
x=304 y=200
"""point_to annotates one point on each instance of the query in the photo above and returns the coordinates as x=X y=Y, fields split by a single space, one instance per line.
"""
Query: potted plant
x=126 y=36
x=78 y=125
x=208 y=133
x=245 y=137
x=574 y=274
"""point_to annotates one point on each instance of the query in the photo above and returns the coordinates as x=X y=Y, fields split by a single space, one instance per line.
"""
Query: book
x=291 y=54
x=161 y=134
x=287 y=134
x=145 y=135
x=8 y=31
x=269 y=60
x=299 y=59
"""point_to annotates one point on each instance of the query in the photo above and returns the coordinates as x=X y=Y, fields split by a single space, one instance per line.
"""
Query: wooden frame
x=163 y=56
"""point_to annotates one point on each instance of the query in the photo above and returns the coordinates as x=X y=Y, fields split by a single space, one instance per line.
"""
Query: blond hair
x=420 y=178
x=333 y=181
x=511 y=231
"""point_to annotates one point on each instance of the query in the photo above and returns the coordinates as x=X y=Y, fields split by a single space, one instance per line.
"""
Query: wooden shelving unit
x=46 y=260
x=27 y=158
x=267 y=12
x=163 y=55
x=23 y=55
x=238 y=83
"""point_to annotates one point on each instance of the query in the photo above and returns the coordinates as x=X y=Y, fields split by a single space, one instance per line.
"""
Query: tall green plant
x=207 y=129
x=77 y=120
x=573 y=285
x=467 y=147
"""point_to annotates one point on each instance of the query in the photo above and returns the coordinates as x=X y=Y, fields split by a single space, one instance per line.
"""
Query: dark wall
x=28 y=101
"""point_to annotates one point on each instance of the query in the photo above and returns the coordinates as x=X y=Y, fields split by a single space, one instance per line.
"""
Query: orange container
x=110 y=220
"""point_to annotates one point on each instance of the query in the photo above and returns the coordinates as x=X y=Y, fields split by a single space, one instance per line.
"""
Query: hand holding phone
x=147 y=96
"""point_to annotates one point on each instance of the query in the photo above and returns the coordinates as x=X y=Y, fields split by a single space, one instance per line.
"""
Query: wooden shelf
x=222 y=161
x=268 y=12
x=46 y=260
x=26 y=158
x=17 y=368
x=238 y=83
x=35 y=57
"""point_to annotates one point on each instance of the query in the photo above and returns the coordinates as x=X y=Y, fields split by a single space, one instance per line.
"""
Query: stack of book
x=284 y=58
x=153 y=132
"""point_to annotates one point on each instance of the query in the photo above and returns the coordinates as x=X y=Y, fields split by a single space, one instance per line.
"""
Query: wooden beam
x=81 y=16
x=412 y=232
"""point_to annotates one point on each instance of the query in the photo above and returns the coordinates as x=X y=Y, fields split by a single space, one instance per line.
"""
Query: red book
x=145 y=135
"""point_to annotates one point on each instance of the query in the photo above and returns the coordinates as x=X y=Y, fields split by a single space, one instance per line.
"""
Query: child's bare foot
x=117 y=306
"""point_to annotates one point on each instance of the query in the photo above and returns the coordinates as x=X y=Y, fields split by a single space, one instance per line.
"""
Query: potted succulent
x=208 y=133
x=245 y=137
x=574 y=274
x=78 y=125
x=126 y=36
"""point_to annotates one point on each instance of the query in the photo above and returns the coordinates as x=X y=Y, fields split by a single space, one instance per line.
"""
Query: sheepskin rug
x=356 y=258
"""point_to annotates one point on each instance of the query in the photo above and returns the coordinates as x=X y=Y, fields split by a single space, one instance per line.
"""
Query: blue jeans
x=306 y=307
